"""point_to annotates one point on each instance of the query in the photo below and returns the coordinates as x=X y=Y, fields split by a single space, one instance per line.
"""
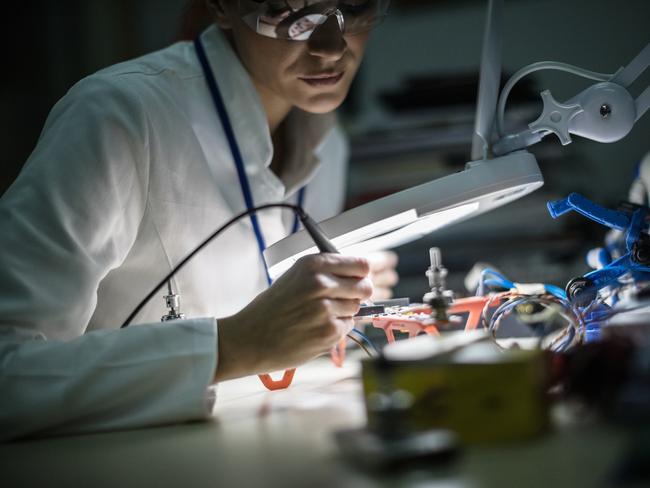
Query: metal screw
x=605 y=110
x=581 y=291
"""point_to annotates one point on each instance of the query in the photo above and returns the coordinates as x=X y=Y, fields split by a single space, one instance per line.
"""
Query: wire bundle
x=361 y=340
x=492 y=278
x=569 y=335
x=553 y=299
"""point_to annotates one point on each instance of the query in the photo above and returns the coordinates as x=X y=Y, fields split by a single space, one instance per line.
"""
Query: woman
x=136 y=165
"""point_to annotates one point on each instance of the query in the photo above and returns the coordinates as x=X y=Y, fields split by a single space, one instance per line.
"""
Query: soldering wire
x=543 y=65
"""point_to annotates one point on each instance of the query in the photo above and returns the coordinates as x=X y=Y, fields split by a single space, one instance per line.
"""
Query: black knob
x=641 y=251
x=581 y=291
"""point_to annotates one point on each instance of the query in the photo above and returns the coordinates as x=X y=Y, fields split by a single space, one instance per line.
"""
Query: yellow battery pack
x=491 y=397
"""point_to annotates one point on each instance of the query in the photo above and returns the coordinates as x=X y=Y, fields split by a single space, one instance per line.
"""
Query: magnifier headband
x=296 y=20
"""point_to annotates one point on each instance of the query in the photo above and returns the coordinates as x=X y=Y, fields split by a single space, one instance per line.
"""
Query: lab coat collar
x=248 y=120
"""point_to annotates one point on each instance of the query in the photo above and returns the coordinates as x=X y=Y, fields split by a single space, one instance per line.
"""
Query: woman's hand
x=306 y=312
x=383 y=274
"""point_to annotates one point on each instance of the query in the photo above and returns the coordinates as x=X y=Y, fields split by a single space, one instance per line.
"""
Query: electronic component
x=439 y=298
x=390 y=441
x=632 y=220
x=173 y=303
x=473 y=388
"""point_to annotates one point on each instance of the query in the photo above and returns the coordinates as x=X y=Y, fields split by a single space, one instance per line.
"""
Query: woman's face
x=313 y=75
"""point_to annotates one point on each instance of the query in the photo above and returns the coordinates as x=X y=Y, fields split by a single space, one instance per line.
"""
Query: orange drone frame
x=417 y=319
x=412 y=320
x=338 y=357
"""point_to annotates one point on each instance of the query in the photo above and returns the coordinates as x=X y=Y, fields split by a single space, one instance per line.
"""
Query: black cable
x=323 y=244
x=179 y=266
x=360 y=344
x=364 y=340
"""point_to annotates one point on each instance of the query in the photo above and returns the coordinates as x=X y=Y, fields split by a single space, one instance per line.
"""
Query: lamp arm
x=604 y=112
x=642 y=103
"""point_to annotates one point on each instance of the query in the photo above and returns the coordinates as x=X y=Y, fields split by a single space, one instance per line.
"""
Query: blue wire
x=506 y=307
x=499 y=276
x=569 y=339
x=499 y=283
x=502 y=282
x=556 y=290
x=365 y=339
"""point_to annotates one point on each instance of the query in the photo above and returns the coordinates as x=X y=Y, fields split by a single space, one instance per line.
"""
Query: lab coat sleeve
x=107 y=380
x=71 y=217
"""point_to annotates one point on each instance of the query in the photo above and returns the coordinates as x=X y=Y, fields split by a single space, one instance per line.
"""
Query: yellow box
x=499 y=400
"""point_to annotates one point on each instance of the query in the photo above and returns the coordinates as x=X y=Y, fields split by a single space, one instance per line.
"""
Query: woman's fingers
x=383 y=274
x=337 y=287
x=381 y=260
x=382 y=294
x=337 y=264
x=342 y=308
x=387 y=278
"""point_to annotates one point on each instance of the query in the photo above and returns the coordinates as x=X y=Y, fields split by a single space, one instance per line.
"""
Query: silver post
x=173 y=304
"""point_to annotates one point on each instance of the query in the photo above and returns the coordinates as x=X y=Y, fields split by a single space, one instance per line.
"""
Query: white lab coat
x=131 y=172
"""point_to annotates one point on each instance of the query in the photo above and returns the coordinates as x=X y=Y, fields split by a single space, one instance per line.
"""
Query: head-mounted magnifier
x=296 y=20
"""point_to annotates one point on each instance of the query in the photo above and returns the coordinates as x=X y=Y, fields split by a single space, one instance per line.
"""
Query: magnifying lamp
x=416 y=212
x=396 y=219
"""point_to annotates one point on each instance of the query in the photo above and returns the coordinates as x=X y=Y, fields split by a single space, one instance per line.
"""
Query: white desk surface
x=284 y=439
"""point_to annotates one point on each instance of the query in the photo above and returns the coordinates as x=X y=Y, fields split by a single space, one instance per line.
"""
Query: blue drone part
x=636 y=260
x=594 y=321
x=592 y=333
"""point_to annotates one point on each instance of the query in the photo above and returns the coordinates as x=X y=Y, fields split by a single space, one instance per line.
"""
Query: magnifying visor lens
x=296 y=20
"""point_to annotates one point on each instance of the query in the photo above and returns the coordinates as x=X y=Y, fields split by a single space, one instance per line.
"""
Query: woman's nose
x=327 y=41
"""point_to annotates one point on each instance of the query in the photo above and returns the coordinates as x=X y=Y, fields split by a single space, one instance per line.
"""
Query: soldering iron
x=310 y=225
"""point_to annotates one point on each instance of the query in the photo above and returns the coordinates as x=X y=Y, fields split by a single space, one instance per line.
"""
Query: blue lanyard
x=236 y=154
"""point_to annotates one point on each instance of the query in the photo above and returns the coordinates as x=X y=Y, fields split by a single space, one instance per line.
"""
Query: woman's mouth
x=323 y=79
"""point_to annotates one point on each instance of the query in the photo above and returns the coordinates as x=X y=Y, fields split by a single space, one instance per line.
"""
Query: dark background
x=417 y=87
